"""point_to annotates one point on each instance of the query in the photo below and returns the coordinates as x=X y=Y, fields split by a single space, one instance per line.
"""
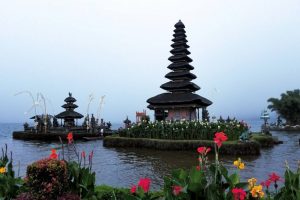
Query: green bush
x=47 y=179
x=185 y=130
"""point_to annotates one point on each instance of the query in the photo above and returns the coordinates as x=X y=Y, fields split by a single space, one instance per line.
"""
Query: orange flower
x=2 y=170
x=53 y=154
x=70 y=137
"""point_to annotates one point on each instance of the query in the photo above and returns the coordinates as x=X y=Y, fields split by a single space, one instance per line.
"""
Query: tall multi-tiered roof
x=69 y=114
x=180 y=89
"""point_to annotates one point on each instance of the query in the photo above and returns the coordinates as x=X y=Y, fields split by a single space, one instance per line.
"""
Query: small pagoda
x=180 y=101
x=69 y=115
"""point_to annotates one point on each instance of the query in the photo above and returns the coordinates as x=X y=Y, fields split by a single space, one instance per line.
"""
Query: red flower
x=198 y=168
x=144 y=183
x=266 y=183
x=177 y=189
x=238 y=194
x=203 y=150
x=83 y=154
x=53 y=154
x=70 y=137
x=274 y=177
x=133 y=189
x=219 y=138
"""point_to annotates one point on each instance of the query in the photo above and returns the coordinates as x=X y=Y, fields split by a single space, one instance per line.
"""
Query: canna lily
x=239 y=164
x=2 y=170
x=70 y=137
x=53 y=154
x=238 y=194
x=219 y=138
x=251 y=183
x=133 y=189
x=266 y=183
x=176 y=189
x=203 y=150
x=256 y=191
x=144 y=183
x=274 y=177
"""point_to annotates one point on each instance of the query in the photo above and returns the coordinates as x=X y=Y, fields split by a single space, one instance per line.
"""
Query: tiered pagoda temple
x=180 y=100
x=69 y=115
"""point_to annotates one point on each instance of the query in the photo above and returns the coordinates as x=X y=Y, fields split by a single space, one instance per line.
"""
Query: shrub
x=47 y=178
x=185 y=130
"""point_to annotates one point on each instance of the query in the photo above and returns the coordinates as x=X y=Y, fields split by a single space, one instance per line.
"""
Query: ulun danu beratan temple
x=181 y=101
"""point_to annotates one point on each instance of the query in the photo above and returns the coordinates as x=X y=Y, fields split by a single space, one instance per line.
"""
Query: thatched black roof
x=70 y=106
x=180 y=87
x=173 y=99
x=180 y=75
x=69 y=114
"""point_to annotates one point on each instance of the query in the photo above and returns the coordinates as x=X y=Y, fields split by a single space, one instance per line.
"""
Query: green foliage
x=291 y=189
x=185 y=130
x=47 y=178
x=81 y=180
x=9 y=185
x=105 y=192
x=288 y=106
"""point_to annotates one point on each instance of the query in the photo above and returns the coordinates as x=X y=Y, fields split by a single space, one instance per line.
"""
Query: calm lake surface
x=123 y=167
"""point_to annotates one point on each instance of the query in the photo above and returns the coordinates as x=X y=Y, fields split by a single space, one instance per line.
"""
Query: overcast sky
x=243 y=52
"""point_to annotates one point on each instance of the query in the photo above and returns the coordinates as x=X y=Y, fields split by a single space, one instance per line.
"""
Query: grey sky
x=244 y=52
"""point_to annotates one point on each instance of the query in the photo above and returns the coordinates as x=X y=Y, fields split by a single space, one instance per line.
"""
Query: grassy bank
x=264 y=140
x=229 y=147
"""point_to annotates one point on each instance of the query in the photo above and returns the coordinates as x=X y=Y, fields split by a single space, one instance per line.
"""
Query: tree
x=288 y=106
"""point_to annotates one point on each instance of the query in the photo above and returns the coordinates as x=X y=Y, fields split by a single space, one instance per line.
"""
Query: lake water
x=123 y=167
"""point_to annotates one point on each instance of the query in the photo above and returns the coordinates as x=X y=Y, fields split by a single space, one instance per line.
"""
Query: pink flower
x=133 y=189
x=177 y=189
x=144 y=183
x=203 y=150
x=219 y=138
x=238 y=194
x=70 y=137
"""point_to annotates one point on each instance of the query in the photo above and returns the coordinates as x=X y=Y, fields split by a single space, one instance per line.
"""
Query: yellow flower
x=239 y=164
x=2 y=170
x=242 y=166
x=251 y=183
x=257 y=191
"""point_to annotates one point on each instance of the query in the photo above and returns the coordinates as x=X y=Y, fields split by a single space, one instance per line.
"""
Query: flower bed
x=185 y=130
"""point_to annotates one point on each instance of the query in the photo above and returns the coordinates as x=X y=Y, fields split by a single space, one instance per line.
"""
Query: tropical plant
x=10 y=186
x=288 y=106
x=185 y=130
